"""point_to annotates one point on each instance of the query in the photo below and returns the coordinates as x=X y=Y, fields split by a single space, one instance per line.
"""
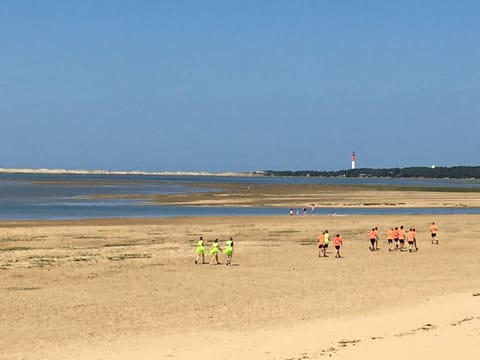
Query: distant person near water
x=433 y=233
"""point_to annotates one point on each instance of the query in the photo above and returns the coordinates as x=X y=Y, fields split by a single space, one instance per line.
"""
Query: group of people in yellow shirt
x=214 y=251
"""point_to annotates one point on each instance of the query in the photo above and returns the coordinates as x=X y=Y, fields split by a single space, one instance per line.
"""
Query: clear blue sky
x=239 y=85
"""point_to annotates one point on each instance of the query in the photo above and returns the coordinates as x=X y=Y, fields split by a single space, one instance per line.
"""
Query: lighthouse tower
x=353 y=160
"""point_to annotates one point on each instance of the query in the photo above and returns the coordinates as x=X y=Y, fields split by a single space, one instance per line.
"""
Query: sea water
x=70 y=196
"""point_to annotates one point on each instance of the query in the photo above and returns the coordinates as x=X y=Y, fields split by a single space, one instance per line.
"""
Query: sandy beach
x=129 y=289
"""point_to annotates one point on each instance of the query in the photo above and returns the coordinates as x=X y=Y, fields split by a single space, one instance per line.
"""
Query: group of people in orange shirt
x=324 y=240
x=396 y=237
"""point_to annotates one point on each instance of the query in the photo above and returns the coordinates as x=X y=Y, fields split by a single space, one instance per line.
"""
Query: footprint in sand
x=426 y=327
x=460 y=322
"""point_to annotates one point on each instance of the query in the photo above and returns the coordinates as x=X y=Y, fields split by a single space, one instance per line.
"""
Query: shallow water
x=54 y=197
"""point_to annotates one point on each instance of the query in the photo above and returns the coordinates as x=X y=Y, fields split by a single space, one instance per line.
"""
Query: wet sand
x=129 y=288
x=304 y=195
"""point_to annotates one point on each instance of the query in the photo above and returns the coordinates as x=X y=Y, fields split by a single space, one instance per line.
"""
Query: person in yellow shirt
x=228 y=251
x=200 y=250
x=214 y=252
x=326 y=237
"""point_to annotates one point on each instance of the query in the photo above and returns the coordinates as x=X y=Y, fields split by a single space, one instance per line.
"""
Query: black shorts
x=372 y=241
x=321 y=246
x=337 y=247
x=396 y=240
x=390 y=241
x=410 y=242
x=326 y=246
x=402 y=241
x=434 y=235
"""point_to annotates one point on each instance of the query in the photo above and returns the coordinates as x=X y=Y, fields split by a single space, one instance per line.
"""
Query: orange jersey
x=410 y=236
x=396 y=234
x=433 y=229
x=337 y=241
x=321 y=239
x=390 y=234
x=372 y=234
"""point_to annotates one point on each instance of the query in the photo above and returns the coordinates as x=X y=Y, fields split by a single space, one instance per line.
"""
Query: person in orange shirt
x=321 y=245
x=337 y=242
x=415 y=239
x=433 y=233
x=390 y=236
x=396 y=236
x=376 y=238
x=410 y=239
x=401 y=238
x=373 y=237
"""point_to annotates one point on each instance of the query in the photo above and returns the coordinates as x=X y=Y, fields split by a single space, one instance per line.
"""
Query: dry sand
x=129 y=289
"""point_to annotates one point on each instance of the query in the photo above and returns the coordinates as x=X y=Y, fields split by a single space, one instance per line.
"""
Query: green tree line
x=454 y=172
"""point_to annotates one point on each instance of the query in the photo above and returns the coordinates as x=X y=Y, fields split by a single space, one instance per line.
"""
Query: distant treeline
x=455 y=172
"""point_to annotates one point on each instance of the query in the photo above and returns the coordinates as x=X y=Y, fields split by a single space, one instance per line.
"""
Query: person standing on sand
x=200 y=250
x=321 y=245
x=433 y=233
x=373 y=237
x=337 y=242
x=410 y=239
x=401 y=238
x=396 y=236
x=376 y=238
x=214 y=251
x=390 y=236
x=228 y=251
x=415 y=239
x=326 y=239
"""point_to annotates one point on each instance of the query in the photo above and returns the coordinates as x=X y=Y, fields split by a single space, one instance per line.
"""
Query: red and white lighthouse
x=353 y=160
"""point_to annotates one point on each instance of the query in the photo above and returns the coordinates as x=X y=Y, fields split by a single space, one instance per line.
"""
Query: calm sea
x=68 y=196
